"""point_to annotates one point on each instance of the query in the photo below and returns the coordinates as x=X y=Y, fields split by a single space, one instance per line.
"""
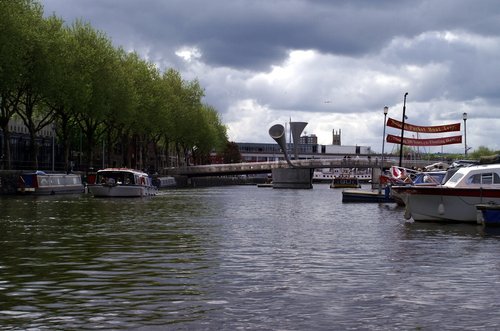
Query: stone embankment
x=9 y=181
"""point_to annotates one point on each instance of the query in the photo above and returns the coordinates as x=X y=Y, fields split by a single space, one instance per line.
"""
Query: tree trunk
x=33 y=150
x=5 y=157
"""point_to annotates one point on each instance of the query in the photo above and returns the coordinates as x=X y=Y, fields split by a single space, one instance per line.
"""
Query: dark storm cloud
x=263 y=60
x=256 y=34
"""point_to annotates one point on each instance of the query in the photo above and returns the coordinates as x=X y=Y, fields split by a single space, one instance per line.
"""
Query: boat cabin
x=487 y=176
x=118 y=176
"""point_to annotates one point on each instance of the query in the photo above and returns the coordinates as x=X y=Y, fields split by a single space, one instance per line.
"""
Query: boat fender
x=479 y=217
x=407 y=214
x=441 y=209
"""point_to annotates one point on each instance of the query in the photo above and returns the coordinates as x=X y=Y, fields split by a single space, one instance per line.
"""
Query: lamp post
x=386 y=110
x=402 y=132
x=465 y=133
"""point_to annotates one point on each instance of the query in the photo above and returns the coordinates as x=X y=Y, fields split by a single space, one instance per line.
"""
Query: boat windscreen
x=455 y=178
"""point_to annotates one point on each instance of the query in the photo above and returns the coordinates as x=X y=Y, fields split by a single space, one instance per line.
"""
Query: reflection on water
x=240 y=257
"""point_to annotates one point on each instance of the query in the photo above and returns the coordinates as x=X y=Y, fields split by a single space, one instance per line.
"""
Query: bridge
x=266 y=167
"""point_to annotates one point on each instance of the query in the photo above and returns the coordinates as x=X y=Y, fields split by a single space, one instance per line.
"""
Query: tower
x=336 y=138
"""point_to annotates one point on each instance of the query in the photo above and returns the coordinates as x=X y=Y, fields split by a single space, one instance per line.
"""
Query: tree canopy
x=71 y=77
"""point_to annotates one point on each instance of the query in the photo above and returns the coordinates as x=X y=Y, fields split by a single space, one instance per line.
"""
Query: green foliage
x=231 y=153
x=72 y=75
x=482 y=151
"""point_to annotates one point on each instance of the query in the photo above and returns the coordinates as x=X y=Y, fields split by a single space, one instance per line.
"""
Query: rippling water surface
x=240 y=258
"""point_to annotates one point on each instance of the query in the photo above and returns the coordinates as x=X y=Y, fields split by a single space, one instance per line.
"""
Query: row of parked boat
x=467 y=192
x=109 y=182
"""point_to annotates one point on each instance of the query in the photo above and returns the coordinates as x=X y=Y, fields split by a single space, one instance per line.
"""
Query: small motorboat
x=122 y=182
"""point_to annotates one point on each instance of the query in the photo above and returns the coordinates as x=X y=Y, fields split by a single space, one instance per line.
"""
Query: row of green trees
x=71 y=76
x=476 y=154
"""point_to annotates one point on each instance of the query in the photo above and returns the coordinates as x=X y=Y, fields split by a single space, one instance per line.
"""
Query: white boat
x=345 y=182
x=327 y=175
x=41 y=183
x=456 y=199
x=122 y=182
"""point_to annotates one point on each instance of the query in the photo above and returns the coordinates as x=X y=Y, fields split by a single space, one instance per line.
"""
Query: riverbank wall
x=220 y=181
x=9 y=181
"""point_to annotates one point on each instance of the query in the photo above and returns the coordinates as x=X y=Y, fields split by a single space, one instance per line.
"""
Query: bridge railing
x=266 y=167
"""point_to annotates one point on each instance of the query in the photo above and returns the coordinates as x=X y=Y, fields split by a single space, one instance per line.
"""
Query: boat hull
x=122 y=191
x=400 y=196
x=446 y=204
x=345 y=183
x=51 y=190
x=488 y=214
x=365 y=196
x=40 y=183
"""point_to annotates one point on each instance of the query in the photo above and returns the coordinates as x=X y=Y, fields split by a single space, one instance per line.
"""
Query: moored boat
x=366 y=196
x=488 y=214
x=162 y=182
x=346 y=179
x=41 y=183
x=122 y=182
x=456 y=199
x=345 y=182
x=426 y=178
x=327 y=175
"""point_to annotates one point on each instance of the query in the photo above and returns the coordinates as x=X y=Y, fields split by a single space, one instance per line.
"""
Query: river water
x=240 y=257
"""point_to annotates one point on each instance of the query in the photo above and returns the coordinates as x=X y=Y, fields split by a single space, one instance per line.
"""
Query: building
x=336 y=138
x=19 y=143
x=308 y=149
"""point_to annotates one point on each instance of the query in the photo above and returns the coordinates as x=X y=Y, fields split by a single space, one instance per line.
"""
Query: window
x=456 y=177
x=486 y=178
x=475 y=179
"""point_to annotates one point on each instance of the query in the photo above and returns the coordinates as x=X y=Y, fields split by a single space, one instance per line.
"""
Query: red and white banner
x=424 y=142
x=424 y=129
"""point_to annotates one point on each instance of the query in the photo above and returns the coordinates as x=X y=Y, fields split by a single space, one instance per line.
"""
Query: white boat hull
x=456 y=199
x=445 y=207
x=122 y=191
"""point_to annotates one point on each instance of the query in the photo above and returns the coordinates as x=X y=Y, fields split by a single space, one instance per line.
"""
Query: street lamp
x=465 y=133
x=402 y=132
x=386 y=110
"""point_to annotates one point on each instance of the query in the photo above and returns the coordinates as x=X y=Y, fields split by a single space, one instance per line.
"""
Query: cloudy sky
x=332 y=63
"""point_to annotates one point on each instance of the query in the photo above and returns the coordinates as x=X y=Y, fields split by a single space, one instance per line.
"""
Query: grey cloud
x=255 y=34
x=358 y=42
